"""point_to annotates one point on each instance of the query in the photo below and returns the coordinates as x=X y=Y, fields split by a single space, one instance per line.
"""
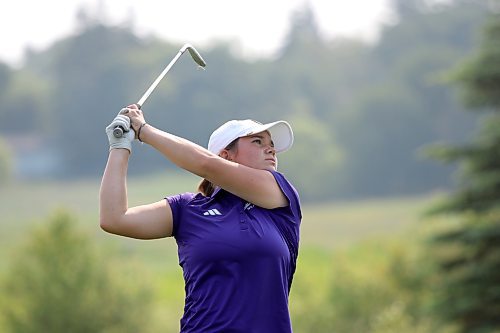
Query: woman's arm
x=253 y=185
x=142 y=222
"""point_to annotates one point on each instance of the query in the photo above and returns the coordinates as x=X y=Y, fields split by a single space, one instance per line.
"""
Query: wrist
x=139 y=131
x=123 y=148
x=122 y=152
x=144 y=133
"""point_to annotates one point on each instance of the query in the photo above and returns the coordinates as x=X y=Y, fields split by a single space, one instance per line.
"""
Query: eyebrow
x=260 y=137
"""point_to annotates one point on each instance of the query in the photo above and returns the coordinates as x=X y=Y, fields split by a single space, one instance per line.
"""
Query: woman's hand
x=136 y=117
x=124 y=142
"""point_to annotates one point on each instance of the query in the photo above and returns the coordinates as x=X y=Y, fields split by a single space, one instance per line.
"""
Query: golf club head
x=194 y=54
x=118 y=132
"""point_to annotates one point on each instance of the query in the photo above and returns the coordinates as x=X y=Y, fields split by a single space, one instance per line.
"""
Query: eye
x=259 y=141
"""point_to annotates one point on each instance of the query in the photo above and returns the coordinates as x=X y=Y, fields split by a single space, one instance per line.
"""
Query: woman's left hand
x=136 y=116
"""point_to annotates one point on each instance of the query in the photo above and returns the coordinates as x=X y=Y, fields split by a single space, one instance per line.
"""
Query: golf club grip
x=118 y=130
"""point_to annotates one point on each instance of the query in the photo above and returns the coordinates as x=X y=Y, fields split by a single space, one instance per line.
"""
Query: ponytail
x=206 y=188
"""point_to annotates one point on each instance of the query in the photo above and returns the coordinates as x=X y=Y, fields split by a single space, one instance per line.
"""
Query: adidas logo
x=212 y=212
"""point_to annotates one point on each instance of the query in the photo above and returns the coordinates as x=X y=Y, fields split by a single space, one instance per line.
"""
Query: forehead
x=264 y=136
x=261 y=135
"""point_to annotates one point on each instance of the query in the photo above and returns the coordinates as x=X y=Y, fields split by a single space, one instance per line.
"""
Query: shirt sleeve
x=291 y=194
x=289 y=220
x=177 y=203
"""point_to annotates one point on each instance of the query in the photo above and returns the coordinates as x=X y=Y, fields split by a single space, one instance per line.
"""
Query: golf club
x=118 y=131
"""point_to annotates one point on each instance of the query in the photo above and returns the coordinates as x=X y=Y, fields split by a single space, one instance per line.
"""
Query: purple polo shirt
x=238 y=260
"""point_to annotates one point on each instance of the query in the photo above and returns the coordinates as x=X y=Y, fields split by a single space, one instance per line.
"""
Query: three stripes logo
x=212 y=212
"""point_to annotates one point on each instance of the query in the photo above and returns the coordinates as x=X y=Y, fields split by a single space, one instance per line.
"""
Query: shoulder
x=183 y=206
x=286 y=186
x=283 y=181
x=290 y=192
x=185 y=199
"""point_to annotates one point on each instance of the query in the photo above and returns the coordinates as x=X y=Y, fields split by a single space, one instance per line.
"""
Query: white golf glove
x=128 y=133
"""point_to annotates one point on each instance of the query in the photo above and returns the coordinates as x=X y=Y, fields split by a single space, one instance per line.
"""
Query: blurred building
x=33 y=157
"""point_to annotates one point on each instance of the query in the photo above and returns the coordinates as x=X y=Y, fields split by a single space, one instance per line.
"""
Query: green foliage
x=377 y=103
x=336 y=261
x=406 y=107
x=480 y=77
x=5 y=163
x=374 y=286
x=91 y=72
x=479 y=175
x=375 y=147
x=468 y=253
x=24 y=106
x=59 y=283
x=5 y=76
x=315 y=159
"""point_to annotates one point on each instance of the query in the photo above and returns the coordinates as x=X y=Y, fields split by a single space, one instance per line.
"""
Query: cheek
x=255 y=154
x=247 y=157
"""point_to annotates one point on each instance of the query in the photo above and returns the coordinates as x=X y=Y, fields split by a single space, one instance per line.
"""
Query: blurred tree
x=58 y=283
x=316 y=157
x=404 y=106
x=24 y=104
x=408 y=8
x=373 y=286
x=470 y=249
x=5 y=163
x=93 y=79
x=70 y=91
x=304 y=34
x=385 y=140
x=5 y=75
x=302 y=71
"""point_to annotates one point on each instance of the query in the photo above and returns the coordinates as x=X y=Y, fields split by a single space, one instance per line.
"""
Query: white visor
x=281 y=134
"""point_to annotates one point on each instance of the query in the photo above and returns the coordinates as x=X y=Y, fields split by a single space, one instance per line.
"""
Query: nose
x=270 y=150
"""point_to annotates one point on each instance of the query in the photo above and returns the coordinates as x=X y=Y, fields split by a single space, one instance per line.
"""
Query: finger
x=122 y=118
x=122 y=125
x=122 y=121
x=124 y=111
x=133 y=106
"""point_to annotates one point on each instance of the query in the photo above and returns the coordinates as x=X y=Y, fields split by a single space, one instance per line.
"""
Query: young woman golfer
x=237 y=237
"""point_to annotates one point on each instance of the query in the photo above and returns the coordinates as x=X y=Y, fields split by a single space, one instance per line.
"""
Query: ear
x=225 y=155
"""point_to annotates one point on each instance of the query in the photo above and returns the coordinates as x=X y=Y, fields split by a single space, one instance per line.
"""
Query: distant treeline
x=362 y=113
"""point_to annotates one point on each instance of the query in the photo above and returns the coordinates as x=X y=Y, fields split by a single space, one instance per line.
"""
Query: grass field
x=327 y=228
x=327 y=225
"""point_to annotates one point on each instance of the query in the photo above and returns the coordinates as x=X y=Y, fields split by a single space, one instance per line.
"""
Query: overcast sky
x=259 y=26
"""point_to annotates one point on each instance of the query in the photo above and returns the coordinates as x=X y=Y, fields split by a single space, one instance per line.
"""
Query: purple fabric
x=238 y=261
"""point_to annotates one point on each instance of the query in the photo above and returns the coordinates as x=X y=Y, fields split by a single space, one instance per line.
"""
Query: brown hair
x=206 y=187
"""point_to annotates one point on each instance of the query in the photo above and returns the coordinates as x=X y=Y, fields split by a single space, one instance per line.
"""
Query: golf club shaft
x=157 y=81
x=118 y=131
